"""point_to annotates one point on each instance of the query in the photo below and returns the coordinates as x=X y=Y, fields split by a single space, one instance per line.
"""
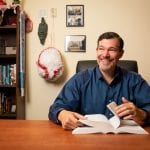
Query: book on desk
x=98 y=123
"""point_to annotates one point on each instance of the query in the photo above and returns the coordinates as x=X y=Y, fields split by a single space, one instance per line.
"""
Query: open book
x=98 y=123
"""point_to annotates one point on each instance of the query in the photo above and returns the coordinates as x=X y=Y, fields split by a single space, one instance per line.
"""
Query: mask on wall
x=50 y=65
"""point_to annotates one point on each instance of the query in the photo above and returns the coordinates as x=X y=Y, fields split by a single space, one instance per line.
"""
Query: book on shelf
x=1 y=76
x=99 y=123
x=6 y=103
x=10 y=50
x=2 y=46
x=8 y=74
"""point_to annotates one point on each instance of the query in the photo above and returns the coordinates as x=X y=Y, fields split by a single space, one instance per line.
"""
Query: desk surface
x=44 y=135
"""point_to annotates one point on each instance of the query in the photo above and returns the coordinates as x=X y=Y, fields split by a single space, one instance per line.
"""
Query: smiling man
x=89 y=91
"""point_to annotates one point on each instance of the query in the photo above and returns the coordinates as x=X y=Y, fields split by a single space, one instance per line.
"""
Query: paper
x=98 y=123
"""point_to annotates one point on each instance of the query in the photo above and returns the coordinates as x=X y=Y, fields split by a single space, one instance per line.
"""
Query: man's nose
x=106 y=52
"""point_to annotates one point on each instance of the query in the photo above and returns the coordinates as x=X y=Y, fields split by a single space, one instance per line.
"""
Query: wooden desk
x=44 y=135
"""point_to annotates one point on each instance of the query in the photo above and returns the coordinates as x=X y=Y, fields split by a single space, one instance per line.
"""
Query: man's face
x=108 y=53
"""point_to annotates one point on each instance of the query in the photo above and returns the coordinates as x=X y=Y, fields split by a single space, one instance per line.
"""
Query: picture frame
x=74 y=15
x=75 y=43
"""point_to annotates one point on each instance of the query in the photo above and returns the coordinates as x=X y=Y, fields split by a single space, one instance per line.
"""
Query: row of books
x=6 y=103
x=8 y=74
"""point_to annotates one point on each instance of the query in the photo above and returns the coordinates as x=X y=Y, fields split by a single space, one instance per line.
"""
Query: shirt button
x=110 y=114
x=110 y=101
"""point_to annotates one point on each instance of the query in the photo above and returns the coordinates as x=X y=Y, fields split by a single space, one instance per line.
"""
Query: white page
x=94 y=120
x=136 y=129
x=107 y=128
x=97 y=117
x=98 y=123
x=115 y=120
x=128 y=122
x=87 y=130
x=111 y=106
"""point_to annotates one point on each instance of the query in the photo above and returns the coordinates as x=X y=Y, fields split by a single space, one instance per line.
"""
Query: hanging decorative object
x=16 y=1
x=29 y=24
x=50 y=64
x=42 y=31
x=2 y=2
x=9 y=16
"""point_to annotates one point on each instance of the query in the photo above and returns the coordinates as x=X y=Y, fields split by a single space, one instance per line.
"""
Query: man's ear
x=121 y=53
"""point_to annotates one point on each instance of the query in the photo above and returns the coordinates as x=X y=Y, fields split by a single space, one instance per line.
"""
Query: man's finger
x=124 y=100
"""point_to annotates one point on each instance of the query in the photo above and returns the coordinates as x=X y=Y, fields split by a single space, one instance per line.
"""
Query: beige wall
x=130 y=18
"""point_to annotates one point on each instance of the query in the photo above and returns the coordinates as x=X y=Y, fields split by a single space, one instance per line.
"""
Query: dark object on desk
x=130 y=65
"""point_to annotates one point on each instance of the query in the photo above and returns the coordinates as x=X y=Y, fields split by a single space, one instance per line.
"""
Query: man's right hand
x=69 y=119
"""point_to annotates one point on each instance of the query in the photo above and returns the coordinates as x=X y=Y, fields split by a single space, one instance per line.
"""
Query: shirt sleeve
x=68 y=99
x=142 y=96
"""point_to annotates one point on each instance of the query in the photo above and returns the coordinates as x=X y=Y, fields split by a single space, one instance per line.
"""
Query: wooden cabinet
x=12 y=103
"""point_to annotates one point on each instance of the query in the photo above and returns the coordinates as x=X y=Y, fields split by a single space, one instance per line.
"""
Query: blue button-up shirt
x=87 y=92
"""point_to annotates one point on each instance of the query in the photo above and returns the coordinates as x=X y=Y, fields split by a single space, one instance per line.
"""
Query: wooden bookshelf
x=12 y=105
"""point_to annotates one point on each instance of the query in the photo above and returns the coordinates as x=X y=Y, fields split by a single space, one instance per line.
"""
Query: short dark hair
x=111 y=35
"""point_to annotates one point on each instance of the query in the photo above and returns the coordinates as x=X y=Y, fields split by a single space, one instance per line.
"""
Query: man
x=89 y=91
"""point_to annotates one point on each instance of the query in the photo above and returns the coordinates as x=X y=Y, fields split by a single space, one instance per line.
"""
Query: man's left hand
x=127 y=110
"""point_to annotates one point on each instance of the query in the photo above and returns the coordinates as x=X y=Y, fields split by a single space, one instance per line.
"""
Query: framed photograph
x=75 y=43
x=74 y=15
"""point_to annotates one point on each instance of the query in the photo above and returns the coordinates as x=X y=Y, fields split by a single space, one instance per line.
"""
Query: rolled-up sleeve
x=68 y=99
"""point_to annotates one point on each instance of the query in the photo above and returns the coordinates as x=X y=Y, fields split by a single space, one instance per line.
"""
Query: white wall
x=129 y=18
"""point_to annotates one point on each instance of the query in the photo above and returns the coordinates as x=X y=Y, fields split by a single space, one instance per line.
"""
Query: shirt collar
x=117 y=74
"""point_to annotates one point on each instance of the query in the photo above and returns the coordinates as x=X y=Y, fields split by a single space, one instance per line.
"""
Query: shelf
x=7 y=56
x=7 y=115
x=7 y=28
x=10 y=36
x=7 y=86
x=11 y=59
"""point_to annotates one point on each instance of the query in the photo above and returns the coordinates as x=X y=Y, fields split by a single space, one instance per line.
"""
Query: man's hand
x=69 y=119
x=127 y=110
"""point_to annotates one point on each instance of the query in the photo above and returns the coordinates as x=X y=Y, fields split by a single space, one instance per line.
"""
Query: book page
x=136 y=129
x=111 y=106
x=88 y=130
x=94 y=120
x=128 y=122
x=96 y=123
x=115 y=120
